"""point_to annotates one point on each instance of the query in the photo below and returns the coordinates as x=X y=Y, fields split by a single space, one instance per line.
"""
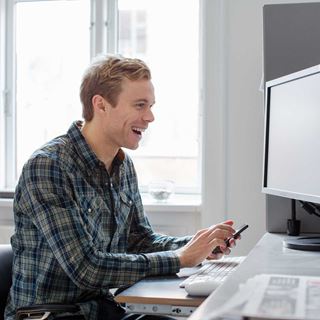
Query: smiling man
x=80 y=227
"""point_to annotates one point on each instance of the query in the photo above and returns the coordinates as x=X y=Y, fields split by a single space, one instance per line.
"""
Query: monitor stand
x=307 y=243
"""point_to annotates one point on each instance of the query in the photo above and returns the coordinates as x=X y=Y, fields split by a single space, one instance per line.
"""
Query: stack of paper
x=274 y=296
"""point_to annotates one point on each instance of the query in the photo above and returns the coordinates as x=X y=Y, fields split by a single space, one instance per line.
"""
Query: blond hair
x=104 y=77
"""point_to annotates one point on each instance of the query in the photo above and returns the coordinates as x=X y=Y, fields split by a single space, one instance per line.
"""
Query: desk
x=268 y=256
x=159 y=295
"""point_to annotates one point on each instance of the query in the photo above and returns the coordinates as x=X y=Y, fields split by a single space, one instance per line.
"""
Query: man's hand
x=203 y=242
x=224 y=251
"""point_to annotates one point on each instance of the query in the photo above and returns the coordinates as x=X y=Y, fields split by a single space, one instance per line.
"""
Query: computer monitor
x=291 y=166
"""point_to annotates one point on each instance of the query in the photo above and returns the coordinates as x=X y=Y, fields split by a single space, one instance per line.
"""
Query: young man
x=80 y=223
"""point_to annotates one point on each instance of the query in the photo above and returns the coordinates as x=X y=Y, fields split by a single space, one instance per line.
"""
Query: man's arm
x=191 y=250
x=47 y=197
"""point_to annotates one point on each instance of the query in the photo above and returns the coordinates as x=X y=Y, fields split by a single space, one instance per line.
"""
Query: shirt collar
x=85 y=152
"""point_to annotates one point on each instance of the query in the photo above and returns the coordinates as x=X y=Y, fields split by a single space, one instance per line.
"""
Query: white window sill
x=180 y=203
x=6 y=203
x=6 y=214
x=176 y=202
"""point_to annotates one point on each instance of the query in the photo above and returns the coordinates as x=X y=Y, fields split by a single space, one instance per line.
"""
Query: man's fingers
x=232 y=242
x=216 y=256
x=203 y=243
x=226 y=251
x=229 y=222
x=201 y=232
x=218 y=243
x=221 y=234
x=222 y=226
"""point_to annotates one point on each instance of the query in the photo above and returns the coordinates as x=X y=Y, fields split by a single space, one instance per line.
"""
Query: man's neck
x=100 y=147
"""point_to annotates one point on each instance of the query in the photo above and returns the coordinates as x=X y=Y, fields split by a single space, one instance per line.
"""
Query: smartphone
x=234 y=236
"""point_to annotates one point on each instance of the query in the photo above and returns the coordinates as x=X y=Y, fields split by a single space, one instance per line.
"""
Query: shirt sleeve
x=46 y=196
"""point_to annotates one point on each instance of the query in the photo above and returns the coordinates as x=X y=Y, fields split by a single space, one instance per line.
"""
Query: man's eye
x=140 y=105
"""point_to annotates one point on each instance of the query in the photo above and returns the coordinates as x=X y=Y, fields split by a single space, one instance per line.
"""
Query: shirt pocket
x=123 y=217
x=97 y=221
x=126 y=205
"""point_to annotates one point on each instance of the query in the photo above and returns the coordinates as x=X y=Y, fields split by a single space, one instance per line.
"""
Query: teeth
x=138 y=129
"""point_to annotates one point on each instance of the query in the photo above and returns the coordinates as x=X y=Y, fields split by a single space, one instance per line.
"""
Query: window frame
x=8 y=97
x=2 y=88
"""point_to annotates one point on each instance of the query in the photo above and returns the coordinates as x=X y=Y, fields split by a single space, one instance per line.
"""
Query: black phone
x=234 y=236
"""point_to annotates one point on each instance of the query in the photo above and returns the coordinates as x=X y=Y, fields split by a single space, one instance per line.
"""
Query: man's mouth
x=138 y=131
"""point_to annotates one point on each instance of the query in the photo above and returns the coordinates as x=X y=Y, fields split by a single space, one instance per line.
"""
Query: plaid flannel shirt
x=80 y=231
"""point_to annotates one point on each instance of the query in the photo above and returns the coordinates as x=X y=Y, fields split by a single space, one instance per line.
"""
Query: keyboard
x=217 y=270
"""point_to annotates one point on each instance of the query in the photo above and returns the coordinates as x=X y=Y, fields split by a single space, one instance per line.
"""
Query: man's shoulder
x=58 y=152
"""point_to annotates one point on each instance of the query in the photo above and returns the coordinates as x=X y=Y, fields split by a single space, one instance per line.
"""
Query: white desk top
x=158 y=290
x=268 y=256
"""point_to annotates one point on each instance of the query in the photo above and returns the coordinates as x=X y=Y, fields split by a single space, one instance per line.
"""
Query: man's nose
x=148 y=116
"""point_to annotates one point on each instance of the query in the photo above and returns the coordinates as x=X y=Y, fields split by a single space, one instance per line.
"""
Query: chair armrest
x=42 y=311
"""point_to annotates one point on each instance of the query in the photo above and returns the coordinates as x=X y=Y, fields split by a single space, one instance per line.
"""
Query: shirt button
x=130 y=202
x=111 y=185
x=89 y=210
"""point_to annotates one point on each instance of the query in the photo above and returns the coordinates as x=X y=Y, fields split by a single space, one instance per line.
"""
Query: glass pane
x=52 y=51
x=158 y=33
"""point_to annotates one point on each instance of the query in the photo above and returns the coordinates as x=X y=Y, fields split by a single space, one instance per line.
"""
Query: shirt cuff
x=164 y=262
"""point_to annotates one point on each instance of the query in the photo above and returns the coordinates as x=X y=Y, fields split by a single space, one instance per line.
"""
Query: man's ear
x=99 y=103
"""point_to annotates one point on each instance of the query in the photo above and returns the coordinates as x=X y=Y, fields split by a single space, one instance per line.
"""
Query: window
x=158 y=33
x=52 y=41
x=51 y=50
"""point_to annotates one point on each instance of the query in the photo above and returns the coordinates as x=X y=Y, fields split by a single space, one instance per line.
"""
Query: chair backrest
x=5 y=275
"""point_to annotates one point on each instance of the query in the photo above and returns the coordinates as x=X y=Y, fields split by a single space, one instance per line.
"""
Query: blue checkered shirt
x=80 y=231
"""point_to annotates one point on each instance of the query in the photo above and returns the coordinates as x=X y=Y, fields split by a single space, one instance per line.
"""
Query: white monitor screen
x=292 y=136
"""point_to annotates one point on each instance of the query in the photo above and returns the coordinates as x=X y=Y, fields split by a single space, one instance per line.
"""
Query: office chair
x=36 y=311
x=5 y=271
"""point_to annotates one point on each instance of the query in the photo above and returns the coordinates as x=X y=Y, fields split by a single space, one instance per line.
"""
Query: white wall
x=234 y=117
x=245 y=117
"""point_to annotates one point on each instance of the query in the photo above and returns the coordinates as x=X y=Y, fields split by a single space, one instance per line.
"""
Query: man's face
x=127 y=121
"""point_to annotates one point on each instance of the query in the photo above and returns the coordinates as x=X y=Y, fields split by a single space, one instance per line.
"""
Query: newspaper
x=274 y=296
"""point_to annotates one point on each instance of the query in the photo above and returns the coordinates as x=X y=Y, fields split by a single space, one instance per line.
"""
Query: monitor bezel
x=268 y=89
